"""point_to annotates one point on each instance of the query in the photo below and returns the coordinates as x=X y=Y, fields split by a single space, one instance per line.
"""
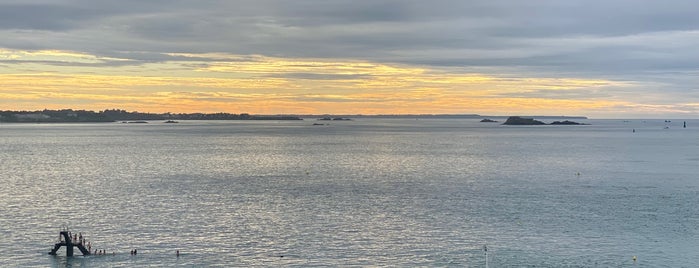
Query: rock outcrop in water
x=486 y=120
x=566 y=122
x=334 y=119
x=516 y=120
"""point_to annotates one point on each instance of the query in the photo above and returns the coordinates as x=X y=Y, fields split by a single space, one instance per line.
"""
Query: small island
x=335 y=119
x=521 y=121
x=566 y=122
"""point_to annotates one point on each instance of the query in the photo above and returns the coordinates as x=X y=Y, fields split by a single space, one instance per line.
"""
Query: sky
x=595 y=58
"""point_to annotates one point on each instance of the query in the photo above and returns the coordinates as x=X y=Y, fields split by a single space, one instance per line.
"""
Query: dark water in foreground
x=370 y=192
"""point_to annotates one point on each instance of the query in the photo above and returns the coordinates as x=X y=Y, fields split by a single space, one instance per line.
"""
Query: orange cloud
x=258 y=84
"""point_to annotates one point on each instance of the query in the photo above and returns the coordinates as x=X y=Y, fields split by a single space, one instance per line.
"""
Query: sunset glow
x=266 y=85
x=377 y=58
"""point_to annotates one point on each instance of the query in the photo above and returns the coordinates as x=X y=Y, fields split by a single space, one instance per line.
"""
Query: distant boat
x=135 y=122
x=171 y=122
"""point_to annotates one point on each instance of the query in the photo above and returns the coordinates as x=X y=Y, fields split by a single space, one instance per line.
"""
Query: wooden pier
x=67 y=241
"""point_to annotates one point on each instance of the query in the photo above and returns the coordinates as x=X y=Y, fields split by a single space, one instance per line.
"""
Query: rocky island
x=334 y=119
x=566 y=122
x=521 y=121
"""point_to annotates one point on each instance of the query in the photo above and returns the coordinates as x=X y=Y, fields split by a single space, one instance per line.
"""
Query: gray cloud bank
x=635 y=40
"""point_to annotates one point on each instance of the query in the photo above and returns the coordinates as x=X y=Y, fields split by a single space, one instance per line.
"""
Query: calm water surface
x=369 y=192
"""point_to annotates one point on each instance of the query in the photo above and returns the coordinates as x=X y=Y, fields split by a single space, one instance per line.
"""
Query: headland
x=84 y=116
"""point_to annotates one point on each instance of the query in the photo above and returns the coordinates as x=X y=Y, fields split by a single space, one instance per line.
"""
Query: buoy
x=634 y=258
x=485 y=249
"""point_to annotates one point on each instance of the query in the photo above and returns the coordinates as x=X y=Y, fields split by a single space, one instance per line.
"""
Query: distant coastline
x=83 y=116
x=114 y=115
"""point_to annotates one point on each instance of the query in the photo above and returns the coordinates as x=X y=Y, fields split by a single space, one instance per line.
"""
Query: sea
x=370 y=192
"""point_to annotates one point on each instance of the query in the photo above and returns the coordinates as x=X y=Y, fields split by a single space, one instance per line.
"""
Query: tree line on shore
x=70 y=115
